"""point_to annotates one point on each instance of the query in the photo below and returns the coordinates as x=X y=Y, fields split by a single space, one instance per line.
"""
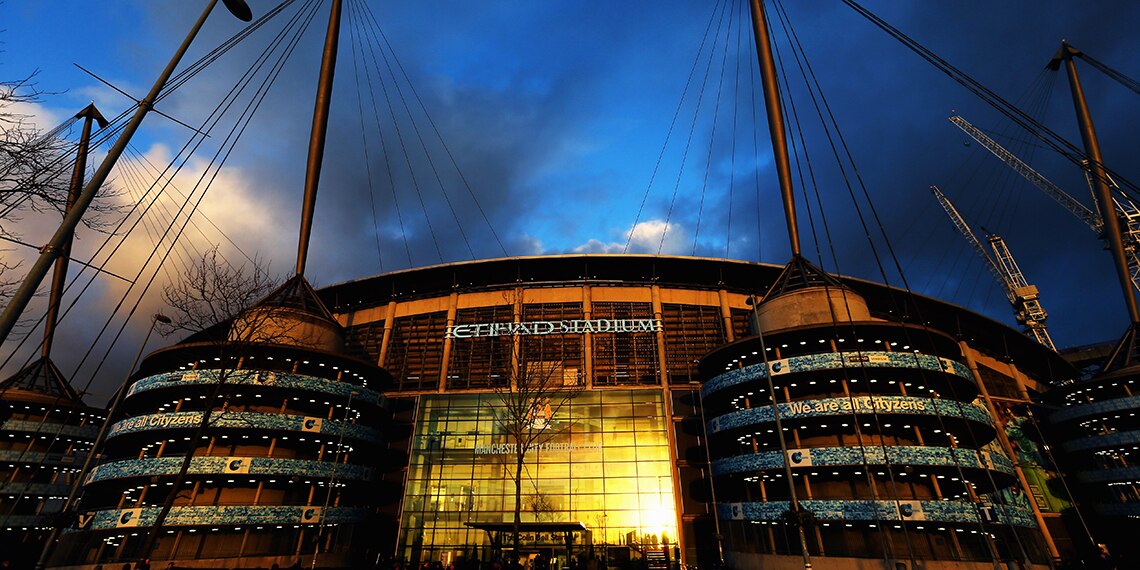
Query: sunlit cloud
x=651 y=236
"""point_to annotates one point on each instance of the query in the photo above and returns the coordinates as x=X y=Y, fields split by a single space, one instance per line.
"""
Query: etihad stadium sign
x=576 y=326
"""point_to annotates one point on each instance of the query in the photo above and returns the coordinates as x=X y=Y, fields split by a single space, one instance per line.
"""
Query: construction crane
x=1126 y=210
x=1024 y=297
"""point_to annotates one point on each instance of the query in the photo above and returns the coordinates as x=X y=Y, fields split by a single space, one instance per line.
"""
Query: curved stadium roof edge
x=744 y=277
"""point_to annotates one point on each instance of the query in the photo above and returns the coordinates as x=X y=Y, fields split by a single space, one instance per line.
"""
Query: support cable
x=435 y=128
x=890 y=250
x=423 y=147
x=672 y=125
x=732 y=154
x=828 y=125
x=187 y=149
x=692 y=129
x=712 y=134
x=792 y=117
x=354 y=40
x=1059 y=144
x=384 y=146
x=207 y=178
x=1112 y=73
x=403 y=145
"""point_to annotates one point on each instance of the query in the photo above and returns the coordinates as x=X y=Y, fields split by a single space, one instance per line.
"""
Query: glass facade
x=602 y=460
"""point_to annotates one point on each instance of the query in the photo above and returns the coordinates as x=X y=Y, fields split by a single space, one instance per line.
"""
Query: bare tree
x=31 y=165
x=36 y=165
x=527 y=414
x=214 y=292
x=36 y=171
x=539 y=504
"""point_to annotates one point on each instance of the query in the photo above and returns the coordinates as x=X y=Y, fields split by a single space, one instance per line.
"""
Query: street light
x=70 y=504
x=332 y=477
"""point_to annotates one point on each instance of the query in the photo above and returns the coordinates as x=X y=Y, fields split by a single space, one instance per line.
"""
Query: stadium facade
x=257 y=441
x=46 y=432
x=663 y=450
x=1098 y=433
x=630 y=466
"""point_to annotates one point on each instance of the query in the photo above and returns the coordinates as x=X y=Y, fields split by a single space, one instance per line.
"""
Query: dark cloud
x=555 y=113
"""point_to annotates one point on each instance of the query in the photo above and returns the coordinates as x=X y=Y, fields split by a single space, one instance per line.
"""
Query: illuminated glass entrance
x=605 y=464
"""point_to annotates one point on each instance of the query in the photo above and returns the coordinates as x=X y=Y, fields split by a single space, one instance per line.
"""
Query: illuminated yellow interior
x=602 y=460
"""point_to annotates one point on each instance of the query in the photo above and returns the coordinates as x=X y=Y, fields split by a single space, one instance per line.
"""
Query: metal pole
x=54 y=247
x=332 y=478
x=712 y=486
x=795 y=504
x=71 y=502
x=59 y=277
x=317 y=136
x=1099 y=178
x=775 y=121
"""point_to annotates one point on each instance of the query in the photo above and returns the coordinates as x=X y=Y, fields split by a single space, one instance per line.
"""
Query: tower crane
x=1024 y=297
x=1126 y=210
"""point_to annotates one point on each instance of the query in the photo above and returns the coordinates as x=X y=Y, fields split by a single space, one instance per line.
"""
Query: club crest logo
x=540 y=416
x=128 y=517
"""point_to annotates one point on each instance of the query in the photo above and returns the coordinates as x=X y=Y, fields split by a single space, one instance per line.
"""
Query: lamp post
x=708 y=468
x=332 y=477
x=70 y=504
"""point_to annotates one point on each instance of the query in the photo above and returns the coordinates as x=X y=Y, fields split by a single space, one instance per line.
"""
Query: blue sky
x=556 y=112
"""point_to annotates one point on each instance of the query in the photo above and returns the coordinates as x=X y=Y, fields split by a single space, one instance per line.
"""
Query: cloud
x=652 y=236
x=556 y=114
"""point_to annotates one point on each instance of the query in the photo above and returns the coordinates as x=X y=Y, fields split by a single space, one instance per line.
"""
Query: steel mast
x=784 y=170
x=50 y=252
x=1099 y=177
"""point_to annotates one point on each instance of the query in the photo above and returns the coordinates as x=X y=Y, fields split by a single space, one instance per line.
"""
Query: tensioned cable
x=238 y=129
x=1114 y=74
x=735 y=114
x=403 y=147
x=213 y=55
x=184 y=253
x=672 y=124
x=692 y=129
x=426 y=153
x=231 y=140
x=439 y=136
x=1046 y=135
x=389 y=56
x=148 y=166
x=792 y=35
x=792 y=117
x=194 y=142
x=354 y=40
x=384 y=152
x=894 y=259
x=106 y=134
x=712 y=134
x=151 y=225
